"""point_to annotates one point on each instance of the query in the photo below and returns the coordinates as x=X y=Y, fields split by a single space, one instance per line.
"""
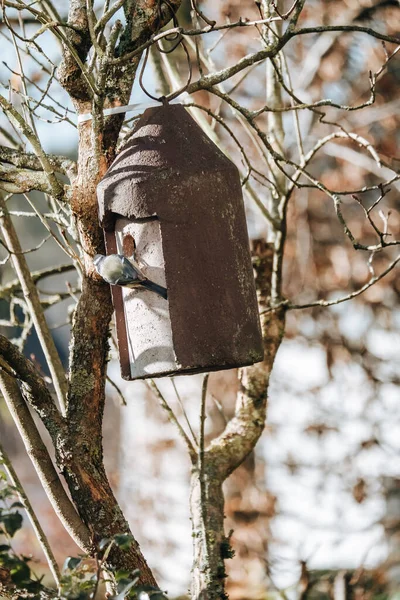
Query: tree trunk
x=210 y=546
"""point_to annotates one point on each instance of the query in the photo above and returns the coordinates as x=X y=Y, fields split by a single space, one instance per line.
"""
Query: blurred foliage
x=16 y=576
x=82 y=576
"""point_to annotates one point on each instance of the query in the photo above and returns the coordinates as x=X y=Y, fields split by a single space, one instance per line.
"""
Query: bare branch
x=184 y=411
x=14 y=286
x=324 y=303
x=25 y=130
x=35 y=388
x=107 y=15
x=217 y=77
x=172 y=417
x=201 y=456
x=27 y=160
x=347 y=28
x=42 y=462
x=33 y=302
x=213 y=79
x=71 y=74
x=19 y=180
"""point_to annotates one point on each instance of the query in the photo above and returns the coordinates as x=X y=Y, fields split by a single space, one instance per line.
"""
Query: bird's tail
x=154 y=287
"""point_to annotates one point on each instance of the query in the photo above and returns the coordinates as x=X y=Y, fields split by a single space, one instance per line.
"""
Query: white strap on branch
x=138 y=108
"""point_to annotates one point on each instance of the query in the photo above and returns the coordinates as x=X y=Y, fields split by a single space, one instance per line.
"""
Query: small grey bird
x=117 y=269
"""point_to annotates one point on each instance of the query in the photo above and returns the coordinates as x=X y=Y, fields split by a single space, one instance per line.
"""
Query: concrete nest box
x=176 y=198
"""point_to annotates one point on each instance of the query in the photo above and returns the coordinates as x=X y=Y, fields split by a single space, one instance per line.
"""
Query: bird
x=117 y=269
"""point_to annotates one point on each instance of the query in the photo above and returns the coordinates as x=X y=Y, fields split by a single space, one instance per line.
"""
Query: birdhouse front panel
x=145 y=327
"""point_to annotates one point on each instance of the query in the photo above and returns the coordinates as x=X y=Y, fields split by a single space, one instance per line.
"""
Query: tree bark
x=210 y=546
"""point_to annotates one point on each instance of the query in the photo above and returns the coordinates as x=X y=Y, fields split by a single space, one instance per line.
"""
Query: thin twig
x=324 y=303
x=202 y=423
x=201 y=467
x=172 y=418
x=118 y=390
x=183 y=410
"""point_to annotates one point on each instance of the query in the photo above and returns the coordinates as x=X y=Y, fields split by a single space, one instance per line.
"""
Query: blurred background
x=316 y=510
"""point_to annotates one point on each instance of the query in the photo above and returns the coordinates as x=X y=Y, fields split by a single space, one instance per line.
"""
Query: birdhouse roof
x=167 y=150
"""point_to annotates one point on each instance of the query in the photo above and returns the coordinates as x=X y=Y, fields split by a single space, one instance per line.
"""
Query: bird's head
x=97 y=259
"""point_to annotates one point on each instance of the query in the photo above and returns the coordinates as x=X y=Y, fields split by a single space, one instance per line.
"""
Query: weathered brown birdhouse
x=173 y=195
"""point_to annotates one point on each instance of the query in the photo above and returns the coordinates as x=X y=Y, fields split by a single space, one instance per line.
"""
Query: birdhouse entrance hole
x=128 y=245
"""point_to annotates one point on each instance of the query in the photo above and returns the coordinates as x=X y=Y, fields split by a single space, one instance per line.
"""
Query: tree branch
x=33 y=302
x=23 y=127
x=34 y=387
x=41 y=460
x=28 y=160
x=14 y=286
x=217 y=77
x=70 y=71
x=324 y=303
x=143 y=19
x=347 y=28
x=18 y=180
x=152 y=386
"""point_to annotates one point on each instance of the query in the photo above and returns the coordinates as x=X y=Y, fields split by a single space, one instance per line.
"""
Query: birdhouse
x=174 y=201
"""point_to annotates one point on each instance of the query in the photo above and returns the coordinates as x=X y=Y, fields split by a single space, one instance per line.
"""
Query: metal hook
x=146 y=56
x=197 y=10
x=166 y=99
x=189 y=79
x=179 y=41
